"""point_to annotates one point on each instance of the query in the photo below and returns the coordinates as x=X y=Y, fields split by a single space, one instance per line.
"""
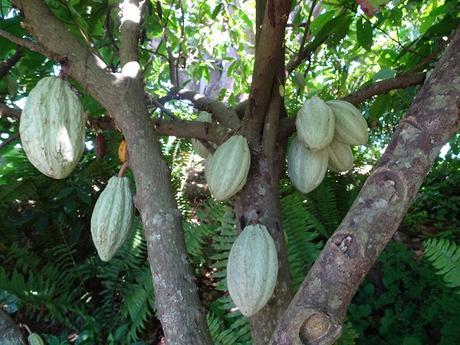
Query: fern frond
x=300 y=227
x=445 y=257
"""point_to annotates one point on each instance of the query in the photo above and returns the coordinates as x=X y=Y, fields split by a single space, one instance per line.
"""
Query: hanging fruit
x=52 y=128
x=123 y=151
x=350 y=125
x=35 y=339
x=306 y=168
x=315 y=124
x=112 y=217
x=340 y=156
x=252 y=269
x=199 y=148
x=227 y=169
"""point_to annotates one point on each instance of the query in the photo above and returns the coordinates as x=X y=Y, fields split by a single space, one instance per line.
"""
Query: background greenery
x=50 y=276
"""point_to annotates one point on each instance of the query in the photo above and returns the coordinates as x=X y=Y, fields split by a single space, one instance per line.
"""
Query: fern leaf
x=445 y=257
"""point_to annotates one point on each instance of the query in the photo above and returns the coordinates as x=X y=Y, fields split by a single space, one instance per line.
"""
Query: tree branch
x=192 y=129
x=384 y=86
x=268 y=54
x=129 y=30
x=24 y=43
x=303 y=54
x=9 y=140
x=287 y=125
x=224 y=115
x=178 y=128
x=6 y=65
x=316 y=313
x=6 y=111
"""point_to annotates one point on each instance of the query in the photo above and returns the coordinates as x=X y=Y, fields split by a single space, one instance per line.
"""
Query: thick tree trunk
x=9 y=332
x=316 y=312
x=178 y=305
x=259 y=202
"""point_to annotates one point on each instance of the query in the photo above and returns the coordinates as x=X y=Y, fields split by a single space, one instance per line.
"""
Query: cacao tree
x=146 y=68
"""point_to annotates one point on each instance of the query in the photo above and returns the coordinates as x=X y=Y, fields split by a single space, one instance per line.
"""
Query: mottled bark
x=178 y=306
x=316 y=312
x=259 y=202
x=6 y=65
x=10 y=334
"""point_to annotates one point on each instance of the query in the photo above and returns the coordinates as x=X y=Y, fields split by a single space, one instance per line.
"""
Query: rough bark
x=178 y=306
x=6 y=65
x=316 y=312
x=259 y=202
x=10 y=334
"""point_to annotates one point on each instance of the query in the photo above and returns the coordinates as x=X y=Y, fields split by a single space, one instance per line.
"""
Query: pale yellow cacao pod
x=112 y=217
x=315 y=124
x=52 y=128
x=252 y=269
x=350 y=125
x=227 y=169
x=340 y=156
x=199 y=148
x=306 y=168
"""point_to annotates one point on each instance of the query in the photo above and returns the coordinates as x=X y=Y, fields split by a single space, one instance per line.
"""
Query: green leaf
x=364 y=34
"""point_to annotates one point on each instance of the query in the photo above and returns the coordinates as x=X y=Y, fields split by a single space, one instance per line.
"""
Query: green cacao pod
x=227 y=169
x=350 y=125
x=52 y=128
x=35 y=339
x=112 y=217
x=252 y=269
x=199 y=148
x=340 y=156
x=315 y=124
x=306 y=168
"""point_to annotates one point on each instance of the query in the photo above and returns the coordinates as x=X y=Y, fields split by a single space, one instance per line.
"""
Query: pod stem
x=123 y=168
x=23 y=325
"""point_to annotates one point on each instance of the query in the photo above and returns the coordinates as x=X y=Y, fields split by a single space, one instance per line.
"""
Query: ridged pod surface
x=306 y=168
x=35 y=339
x=227 y=169
x=350 y=125
x=340 y=156
x=112 y=217
x=315 y=124
x=52 y=128
x=199 y=148
x=252 y=269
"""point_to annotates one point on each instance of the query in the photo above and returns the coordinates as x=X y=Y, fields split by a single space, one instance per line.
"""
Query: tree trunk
x=9 y=332
x=259 y=202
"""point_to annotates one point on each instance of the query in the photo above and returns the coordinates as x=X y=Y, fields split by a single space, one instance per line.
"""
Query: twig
x=163 y=109
x=6 y=65
x=7 y=141
x=24 y=43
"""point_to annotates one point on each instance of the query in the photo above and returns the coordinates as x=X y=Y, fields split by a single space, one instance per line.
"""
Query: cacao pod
x=252 y=269
x=350 y=125
x=227 y=169
x=315 y=124
x=340 y=156
x=112 y=217
x=306 y=168
x=52 y=128
x=123 y=151
x=199 y=148
x=35 y=339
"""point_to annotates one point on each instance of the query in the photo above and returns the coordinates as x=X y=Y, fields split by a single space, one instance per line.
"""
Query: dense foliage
x=50 y=275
